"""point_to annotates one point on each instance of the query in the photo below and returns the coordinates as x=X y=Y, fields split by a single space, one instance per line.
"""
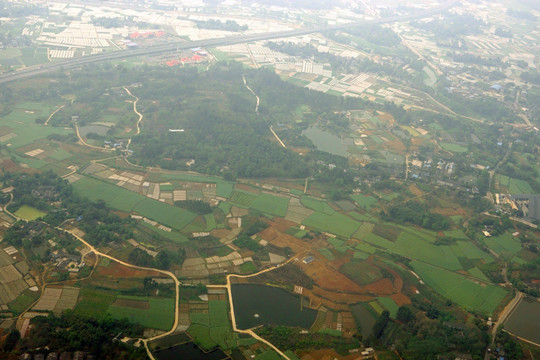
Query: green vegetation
x=270 y=204
x=212 y=329
x=153 y=312
x=336 y=223
x=29 y=213
x=484 y=298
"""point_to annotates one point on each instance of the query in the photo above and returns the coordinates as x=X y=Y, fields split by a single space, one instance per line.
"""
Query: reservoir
x=525 y=320
x=256 y=305
x=325 y=141
x=188 y=351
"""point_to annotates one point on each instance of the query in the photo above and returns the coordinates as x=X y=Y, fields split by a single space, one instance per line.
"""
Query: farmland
x=29 y=213
x=485 y=298
x=152 y=312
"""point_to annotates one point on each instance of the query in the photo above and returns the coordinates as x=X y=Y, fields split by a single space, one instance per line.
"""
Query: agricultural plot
x=365 y=202
x=156 y=313
x=361 y=272
x=29 y=213
x=213 y=328
x=363 y=231
x=514 y=186
x=317 y=205
x=94 y=302
x=114 y=196
x=467 y=249
x=389 y=305
x=416 y=248
x=455 y=148
x=242 y=199
x=296 y=212
x=464 y=292
x=478 y=274
x=57 y=299
x=12 y=283
x=269 y=204
x=504 y=245
x=224 y=189
x=128 y=201
x=520 y=187
x=336 y=223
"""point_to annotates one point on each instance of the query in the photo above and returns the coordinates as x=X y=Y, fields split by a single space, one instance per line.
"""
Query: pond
x=325 y=141
x=256 y=305
x=364 y=317
x=96 y=129
x=525 y=321
x=188 y=351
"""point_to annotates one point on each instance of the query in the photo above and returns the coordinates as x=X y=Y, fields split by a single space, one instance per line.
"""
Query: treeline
x=229 y=25
x=416 y=213
x=71 y=332
x=375 y=34
x=287 y=338
x=452 y=25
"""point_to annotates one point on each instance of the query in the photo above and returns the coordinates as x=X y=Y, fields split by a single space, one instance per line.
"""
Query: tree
x=380 y=324
x=404 y=314
x=11 y=340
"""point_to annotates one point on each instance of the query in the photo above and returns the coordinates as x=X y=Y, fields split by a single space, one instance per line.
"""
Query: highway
x=182 y=45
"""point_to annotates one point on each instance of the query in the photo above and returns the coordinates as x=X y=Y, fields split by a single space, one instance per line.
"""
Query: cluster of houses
x=77 y=355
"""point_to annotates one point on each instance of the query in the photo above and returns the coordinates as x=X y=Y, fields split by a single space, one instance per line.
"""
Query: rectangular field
x=165 y=214
x=269 y=204
x=336 y=223
x=29 y=213
x=471 y=295
x=159 y=315
x=242 y=199
x=114 y=196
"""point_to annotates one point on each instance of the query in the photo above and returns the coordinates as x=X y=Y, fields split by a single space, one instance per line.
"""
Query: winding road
x=138 y=114
x=163 y=272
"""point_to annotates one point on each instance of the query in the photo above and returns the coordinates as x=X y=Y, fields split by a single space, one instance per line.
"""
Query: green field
x=269 y=204
x=224 y=189
x=128 y=201
x=454 y=147
x=389 y=305
x=520 y=187
x=414 y=247
x=464 y=292
x=159 y=315
x=336 y=223
x=514 y=186
x=317 y=205
x=212 y=329
x=468 y=250
x=94 y=302
x=29 y=213
x=114 y=196
x=242 y=199
x=365 y=202
x=504 y=245
x=165 y=214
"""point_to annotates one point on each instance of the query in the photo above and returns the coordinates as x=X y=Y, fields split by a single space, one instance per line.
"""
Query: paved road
x=176 y=45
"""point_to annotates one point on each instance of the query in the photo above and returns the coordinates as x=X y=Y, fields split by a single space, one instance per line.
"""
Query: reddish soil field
x=400 y=299
x=282 y=225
